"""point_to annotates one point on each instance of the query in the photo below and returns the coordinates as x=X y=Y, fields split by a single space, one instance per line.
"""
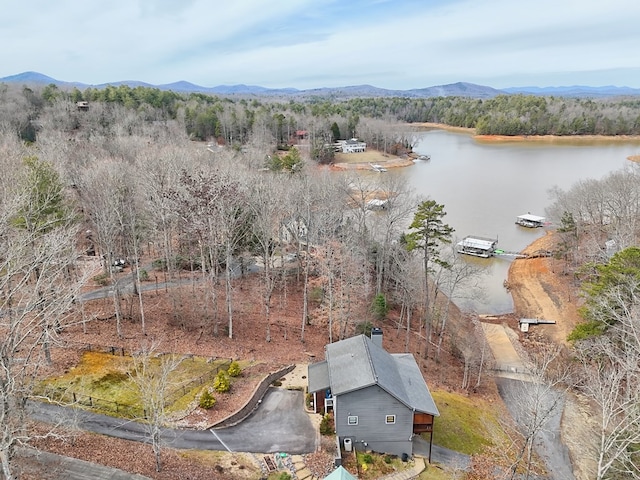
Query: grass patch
x=224 y=462
x=465 y=425
x=104 y=382
x=434 y=472
x=369 y=465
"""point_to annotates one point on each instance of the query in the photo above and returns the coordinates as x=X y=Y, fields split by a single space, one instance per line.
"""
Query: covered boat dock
x=530 y=221
x=477 y=246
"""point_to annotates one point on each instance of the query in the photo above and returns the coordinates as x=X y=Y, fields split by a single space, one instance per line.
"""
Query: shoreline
x=558 y=139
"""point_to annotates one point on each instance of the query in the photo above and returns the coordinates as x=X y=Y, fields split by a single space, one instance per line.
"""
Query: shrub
x=279 y=476
x=144 y=275
x=367 y=458
x=364 y=328
x=316 y=295
x=234 y=369
x=591 y=328
x=326 y=425
x=159 y=264
x=380 y=308
x=207 y=400
x=222 y=383
x=101 y=279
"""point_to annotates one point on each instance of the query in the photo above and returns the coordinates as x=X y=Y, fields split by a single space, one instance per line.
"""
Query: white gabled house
x=352 y=146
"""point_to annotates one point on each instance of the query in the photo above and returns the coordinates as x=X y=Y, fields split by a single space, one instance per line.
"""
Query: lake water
x=484 y=187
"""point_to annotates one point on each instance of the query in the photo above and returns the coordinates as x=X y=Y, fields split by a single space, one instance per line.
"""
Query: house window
x=390 y=419
x=352 y=420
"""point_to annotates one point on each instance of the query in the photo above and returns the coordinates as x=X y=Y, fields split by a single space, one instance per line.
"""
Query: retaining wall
x=256 y=397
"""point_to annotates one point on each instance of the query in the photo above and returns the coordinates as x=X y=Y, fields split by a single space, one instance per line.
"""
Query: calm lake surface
x=484 y=187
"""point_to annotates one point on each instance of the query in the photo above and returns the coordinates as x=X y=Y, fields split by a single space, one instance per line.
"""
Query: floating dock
x=530 y=221
x=477 y=246
x=525 y=322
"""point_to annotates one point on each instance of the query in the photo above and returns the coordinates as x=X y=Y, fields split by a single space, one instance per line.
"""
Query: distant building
x=82 y=105
x=351 y=146
x=293 y=231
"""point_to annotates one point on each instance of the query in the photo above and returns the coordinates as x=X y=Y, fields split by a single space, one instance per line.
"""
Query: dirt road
x=540 y=289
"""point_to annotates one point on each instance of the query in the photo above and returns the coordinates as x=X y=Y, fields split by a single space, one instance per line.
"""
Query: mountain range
x=459 y=89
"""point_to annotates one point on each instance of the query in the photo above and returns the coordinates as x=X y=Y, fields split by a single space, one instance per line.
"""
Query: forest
x=191 y=182
x=233 y=120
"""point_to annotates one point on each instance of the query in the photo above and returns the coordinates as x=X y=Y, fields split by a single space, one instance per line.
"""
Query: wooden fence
x=125 y=409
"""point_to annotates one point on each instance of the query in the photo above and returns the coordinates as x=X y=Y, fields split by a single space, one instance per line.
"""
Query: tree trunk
x=5 y=455
x=229 y=290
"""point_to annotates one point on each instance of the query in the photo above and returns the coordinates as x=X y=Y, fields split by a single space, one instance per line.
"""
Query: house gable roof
x=357 y=362
x=318 y=374
x=340 y=473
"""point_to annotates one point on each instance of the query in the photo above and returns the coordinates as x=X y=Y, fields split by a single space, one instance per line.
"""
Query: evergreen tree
x=429 y=233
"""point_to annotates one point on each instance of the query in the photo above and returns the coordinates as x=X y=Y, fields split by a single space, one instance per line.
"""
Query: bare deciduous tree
x=609 y=376
x=151 y=374
x=36 y=297
x=536 y=400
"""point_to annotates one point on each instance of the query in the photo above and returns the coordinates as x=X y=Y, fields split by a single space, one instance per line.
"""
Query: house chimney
x=376 y=336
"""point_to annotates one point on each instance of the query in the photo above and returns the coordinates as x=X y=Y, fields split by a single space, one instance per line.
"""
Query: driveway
x=513 y=383
x=279 y=424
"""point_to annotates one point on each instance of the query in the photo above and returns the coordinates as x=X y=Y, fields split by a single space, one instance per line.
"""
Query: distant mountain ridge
x=459 y=89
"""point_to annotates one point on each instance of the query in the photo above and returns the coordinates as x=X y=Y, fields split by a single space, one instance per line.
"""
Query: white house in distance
x=351 y=146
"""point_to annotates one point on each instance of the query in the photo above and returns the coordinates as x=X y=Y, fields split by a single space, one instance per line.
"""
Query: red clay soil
x=538 y=289
x=190 y=333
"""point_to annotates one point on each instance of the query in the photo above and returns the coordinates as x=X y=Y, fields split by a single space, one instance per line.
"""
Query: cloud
x=306 y=44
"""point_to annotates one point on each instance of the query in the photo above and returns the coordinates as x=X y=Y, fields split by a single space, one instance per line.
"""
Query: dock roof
x=479 y=242
x=531 y=218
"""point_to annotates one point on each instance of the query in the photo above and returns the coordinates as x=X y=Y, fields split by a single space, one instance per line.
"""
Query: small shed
x=340 y=473
x=530 y=221
x=477 y=246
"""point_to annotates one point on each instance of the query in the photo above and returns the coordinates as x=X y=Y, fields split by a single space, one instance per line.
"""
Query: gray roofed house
x=379 y=400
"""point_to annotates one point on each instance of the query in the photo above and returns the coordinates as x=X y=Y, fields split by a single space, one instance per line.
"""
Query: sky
x=393 y=44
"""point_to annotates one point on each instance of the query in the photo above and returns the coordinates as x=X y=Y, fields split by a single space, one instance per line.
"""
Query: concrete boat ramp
x=508 y=362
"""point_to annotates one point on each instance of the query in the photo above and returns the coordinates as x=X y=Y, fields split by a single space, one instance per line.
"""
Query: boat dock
x=377 y=168
x=525 y=322
x=477 y=246
x=530 y=221
x=487 y=247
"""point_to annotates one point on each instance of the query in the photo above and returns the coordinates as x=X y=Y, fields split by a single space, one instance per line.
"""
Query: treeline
x=599 y=235
x=231 y=120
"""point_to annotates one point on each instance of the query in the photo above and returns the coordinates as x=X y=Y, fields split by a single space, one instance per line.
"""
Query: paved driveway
x=279 y=424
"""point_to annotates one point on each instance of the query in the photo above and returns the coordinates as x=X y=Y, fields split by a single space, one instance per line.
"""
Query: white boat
x=377 y=168
x=424 y=158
